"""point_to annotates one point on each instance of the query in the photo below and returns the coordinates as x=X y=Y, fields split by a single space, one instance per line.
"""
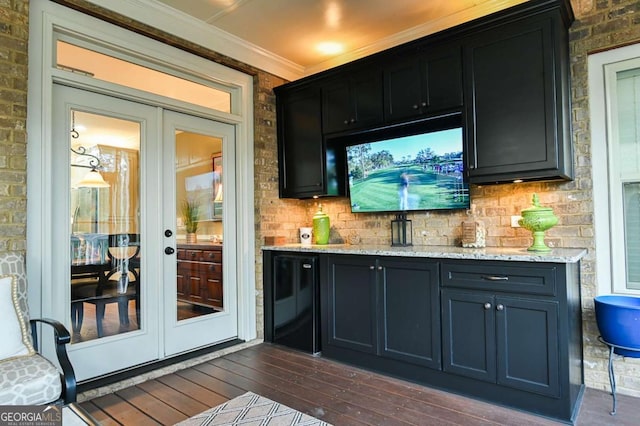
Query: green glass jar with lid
x=538 y=219
x=321 y=226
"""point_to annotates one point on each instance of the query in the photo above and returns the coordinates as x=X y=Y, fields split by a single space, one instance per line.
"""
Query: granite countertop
x=558 y=255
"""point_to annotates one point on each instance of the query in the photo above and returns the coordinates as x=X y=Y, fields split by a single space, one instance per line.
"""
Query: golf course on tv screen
x=419 y=172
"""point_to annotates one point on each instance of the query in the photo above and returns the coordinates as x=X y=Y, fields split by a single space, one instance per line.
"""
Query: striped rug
x=252 y=409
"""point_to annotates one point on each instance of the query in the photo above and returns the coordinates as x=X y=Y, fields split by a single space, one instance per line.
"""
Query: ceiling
x=295 y=29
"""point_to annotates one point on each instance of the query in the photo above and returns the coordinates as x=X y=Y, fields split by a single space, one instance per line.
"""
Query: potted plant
x=190 y=219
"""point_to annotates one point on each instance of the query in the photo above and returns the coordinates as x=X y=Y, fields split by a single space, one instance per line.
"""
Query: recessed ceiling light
x=329 y=47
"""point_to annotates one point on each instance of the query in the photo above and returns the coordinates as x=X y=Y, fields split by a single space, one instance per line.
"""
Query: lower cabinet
x=199 y=278
x=507 y=332
x=499 y=339
x=387 y=307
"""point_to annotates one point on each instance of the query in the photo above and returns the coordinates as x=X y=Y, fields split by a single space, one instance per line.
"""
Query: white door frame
x=46 y=19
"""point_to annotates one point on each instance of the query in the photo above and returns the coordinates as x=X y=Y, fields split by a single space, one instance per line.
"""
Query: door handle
x=169 y=250
x=168 y=233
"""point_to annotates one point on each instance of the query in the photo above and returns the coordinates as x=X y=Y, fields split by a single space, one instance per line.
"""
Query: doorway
x=136 y=287
x=49 y=213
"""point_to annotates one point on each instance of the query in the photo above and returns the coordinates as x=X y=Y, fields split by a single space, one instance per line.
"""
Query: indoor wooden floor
x=336 y=393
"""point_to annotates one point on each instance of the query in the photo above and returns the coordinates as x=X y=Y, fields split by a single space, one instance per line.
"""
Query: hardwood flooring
x=337 y=393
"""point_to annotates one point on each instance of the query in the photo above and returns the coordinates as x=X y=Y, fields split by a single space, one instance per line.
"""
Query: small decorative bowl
x=538 y=219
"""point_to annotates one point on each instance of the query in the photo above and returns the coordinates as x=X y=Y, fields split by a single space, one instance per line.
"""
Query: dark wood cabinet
x=517 y=100
x=301 y=153
x=352 y=308
x=352 y=102
x=508 y=72
x=199 y=277
x=385 y=307
x=505 y=340
x=423 y=84
x=409 y=316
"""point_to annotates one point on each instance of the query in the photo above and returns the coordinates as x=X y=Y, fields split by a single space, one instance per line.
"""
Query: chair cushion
x=29 y=380
x=14 y=331
x=13 y=264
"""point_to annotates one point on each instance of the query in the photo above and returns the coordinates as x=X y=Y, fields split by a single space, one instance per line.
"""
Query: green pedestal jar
x=321 y=226
x=538 y=219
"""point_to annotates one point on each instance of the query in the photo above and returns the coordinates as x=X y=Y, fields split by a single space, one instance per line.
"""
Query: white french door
x=200 y=303
x=123 y=172
x=101 y=135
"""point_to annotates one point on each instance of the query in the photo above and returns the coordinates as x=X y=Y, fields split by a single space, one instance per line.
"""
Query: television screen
x=408 y=173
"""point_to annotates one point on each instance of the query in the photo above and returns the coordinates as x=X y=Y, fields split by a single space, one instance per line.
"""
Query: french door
x=119 y=185
x=199 y=189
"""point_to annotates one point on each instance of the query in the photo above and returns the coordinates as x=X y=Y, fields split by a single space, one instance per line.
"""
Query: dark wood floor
x=334 y=392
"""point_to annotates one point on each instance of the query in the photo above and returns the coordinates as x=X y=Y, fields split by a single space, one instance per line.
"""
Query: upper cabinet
x=352 y=103
x=508 y=73
x=423 y=84
x=516 y=97
x=300 y=150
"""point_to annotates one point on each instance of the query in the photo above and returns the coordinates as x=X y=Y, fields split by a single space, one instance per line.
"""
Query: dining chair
x=120 y=283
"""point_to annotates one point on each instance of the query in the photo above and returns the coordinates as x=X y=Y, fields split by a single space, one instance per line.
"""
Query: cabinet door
x=352 y=103
x=352 y=303
x=423 y=85
x=468 y=334
x=527 y=345
x=405 y=89
x=300 y=148
x=409 y=322
x=514 y=124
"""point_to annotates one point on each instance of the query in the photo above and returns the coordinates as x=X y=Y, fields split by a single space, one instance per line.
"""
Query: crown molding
x=161 y=16
x=158 y=15
x=415 y=33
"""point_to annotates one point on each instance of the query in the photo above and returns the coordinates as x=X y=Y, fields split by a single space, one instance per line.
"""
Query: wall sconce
x=401 y=231
x=93 y=179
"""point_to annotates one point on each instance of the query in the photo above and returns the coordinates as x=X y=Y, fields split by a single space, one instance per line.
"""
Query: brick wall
x=14 y=31
x=600 y=25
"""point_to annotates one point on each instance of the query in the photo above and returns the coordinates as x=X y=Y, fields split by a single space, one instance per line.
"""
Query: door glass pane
x=632 y=232
x=199 y=201
x=105 y=225
x=108 y=68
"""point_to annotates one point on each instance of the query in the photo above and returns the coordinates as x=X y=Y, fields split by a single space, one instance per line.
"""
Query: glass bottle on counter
x=473 y=230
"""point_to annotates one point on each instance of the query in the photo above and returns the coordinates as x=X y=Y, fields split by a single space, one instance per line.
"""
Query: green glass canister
x=321 y=226
x=538 y=219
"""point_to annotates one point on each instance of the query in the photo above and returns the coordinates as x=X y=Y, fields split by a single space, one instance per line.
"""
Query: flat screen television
x=403 y=171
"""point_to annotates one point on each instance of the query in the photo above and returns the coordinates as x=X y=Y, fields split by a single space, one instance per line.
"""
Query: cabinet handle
x=423 y=104
x=415 y=106
x=306 y=265
x=372 y=267
x=346 y=121
x=353 y=120
x=500 y=307
x=495 y=278
x=487 y=305
x=380 y=268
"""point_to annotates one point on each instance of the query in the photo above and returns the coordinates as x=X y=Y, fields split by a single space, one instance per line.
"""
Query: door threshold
x=109 y=383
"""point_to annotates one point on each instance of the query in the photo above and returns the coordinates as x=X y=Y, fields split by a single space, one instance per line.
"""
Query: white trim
x=428 y=28
x=599 y=99
x=159 y=15
x=47 y=17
